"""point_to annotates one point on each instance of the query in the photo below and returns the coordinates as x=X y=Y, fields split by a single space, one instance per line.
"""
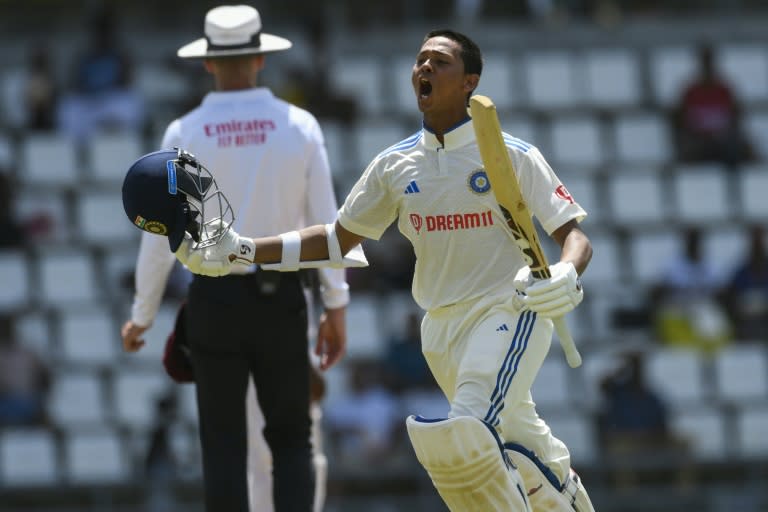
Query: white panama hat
x=232 y=30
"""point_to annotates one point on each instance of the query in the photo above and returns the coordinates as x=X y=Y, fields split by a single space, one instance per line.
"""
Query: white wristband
x=334 y=249
x=291 y=251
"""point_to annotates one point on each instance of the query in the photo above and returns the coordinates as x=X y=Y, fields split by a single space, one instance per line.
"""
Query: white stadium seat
x=701 y=194
x=577 y=431
x=496 y=82
x=687 y=386
x=704 y=428
x=604 y=266
x=756 y=126
x=637 y=198
x=375 y=137
x=27 y=457
x=363 y=78
x=753 y=182
x=110 y=154
x=101 y=218
x=724 y=247
x=95 y=456
x=48 y=160
x=745 y=67
x=551 y=80
x=612 y=78
x=77 y=399
x=67 y=278
x=751 y=425
x=671 y=67
x=550 y=390
x=136 y=392
x=89 y=336
x=641 y=138
x=741 y=374
x=14 y=274
x=576 y=142
x=649 y=253
x=364 y=333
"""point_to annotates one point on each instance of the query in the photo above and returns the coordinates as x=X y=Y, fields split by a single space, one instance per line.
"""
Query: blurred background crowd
x=653 y=112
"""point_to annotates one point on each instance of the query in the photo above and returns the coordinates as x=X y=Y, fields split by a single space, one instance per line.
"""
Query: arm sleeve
x=321 y=209
x=547 y=198
x=153 y=267
x=369 y=208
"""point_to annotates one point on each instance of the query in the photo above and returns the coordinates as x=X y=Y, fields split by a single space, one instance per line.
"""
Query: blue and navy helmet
x=168 y=193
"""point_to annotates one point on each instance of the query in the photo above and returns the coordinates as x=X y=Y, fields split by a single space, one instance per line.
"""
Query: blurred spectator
x=363 y=425
x=746 y=293
x=24 y=380
x=41 y=91
x=405 y=364
x=104 y=97
x=633 y=421
x=707 y=118
x=160 y=463
x=686 y=302
x=11 y=229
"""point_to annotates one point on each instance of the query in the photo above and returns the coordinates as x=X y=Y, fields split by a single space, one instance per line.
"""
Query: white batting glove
x=218 y=259
x=553 y=297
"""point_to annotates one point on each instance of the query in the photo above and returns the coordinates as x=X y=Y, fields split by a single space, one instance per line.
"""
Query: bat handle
x=566 y=341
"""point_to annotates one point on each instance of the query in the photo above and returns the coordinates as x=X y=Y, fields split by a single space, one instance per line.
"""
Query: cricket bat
x=506 y=189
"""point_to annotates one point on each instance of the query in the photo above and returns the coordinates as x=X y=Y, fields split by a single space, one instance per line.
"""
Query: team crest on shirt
x=478 y=181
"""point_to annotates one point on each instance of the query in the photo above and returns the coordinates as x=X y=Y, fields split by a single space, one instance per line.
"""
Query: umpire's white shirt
x=269 y=159
x=442 y=200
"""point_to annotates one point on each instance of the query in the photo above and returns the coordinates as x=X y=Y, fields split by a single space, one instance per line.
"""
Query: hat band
x=255 y=42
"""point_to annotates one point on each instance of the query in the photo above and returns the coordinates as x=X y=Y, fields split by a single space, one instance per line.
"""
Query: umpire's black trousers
x=252 y=325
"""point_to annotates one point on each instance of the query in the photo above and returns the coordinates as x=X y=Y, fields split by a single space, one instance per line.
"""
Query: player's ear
x=470 y=82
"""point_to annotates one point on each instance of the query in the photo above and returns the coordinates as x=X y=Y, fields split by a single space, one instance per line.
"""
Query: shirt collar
x=460 y=135
x=254 y=93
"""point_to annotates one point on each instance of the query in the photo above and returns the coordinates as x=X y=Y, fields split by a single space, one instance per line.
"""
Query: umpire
x=268 y=158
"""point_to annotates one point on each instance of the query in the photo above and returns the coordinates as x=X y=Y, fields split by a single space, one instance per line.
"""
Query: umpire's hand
x=131 y=333
x=331 y=337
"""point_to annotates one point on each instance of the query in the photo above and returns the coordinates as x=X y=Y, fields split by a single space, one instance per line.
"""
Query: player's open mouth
x=425 y=88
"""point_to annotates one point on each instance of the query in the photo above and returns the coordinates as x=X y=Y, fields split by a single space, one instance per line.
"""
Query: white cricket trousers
x=485 y=355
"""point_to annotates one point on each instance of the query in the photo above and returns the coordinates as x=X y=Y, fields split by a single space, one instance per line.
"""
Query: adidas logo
x=412 y=188
x=502 y=327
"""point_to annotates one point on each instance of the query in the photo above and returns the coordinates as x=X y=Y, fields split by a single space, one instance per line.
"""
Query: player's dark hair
x=470 y=52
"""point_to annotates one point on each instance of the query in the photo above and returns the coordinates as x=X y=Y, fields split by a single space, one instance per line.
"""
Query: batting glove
x=553 y=297
x=218 y=259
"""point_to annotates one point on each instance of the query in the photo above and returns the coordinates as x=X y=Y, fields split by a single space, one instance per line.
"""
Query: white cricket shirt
x=443 y=203
x=269 y=159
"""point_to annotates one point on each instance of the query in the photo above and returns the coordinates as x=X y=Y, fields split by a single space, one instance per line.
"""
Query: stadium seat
x=364 y=327
x=337 y=147
x=521 y=127
x=756 y=125
x=670 y=69
x=496 y=81
x=641 y=138
x=753 y=182
x=741 y=374
x=101 y=218
x=550 y=390
x=724 y=247
x=89 y=336
x=377 y=136
x=649 y=253
x=577 y=142
x=597 y=365
x=577 y=431
x=15 y=276
x=136 y=391
x=688 y=385
x=77 y=399
x=48 y=160
x=95 y=456
x=637 y=199
x=612 y=78
x=704 y=427
x=745 y=67
x=604 y=266
x=701 y=194
x=551 y=80
x=362 y=78
x=110 y=154
x=583 y=190
x=67 y=278
x=28 y=457
x=7 y=156
x=751 y=426
x=188 y=402
x=404 y=97
x=46 y=212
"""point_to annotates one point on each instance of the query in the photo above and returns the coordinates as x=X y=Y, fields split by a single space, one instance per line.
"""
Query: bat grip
x=566 y=341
